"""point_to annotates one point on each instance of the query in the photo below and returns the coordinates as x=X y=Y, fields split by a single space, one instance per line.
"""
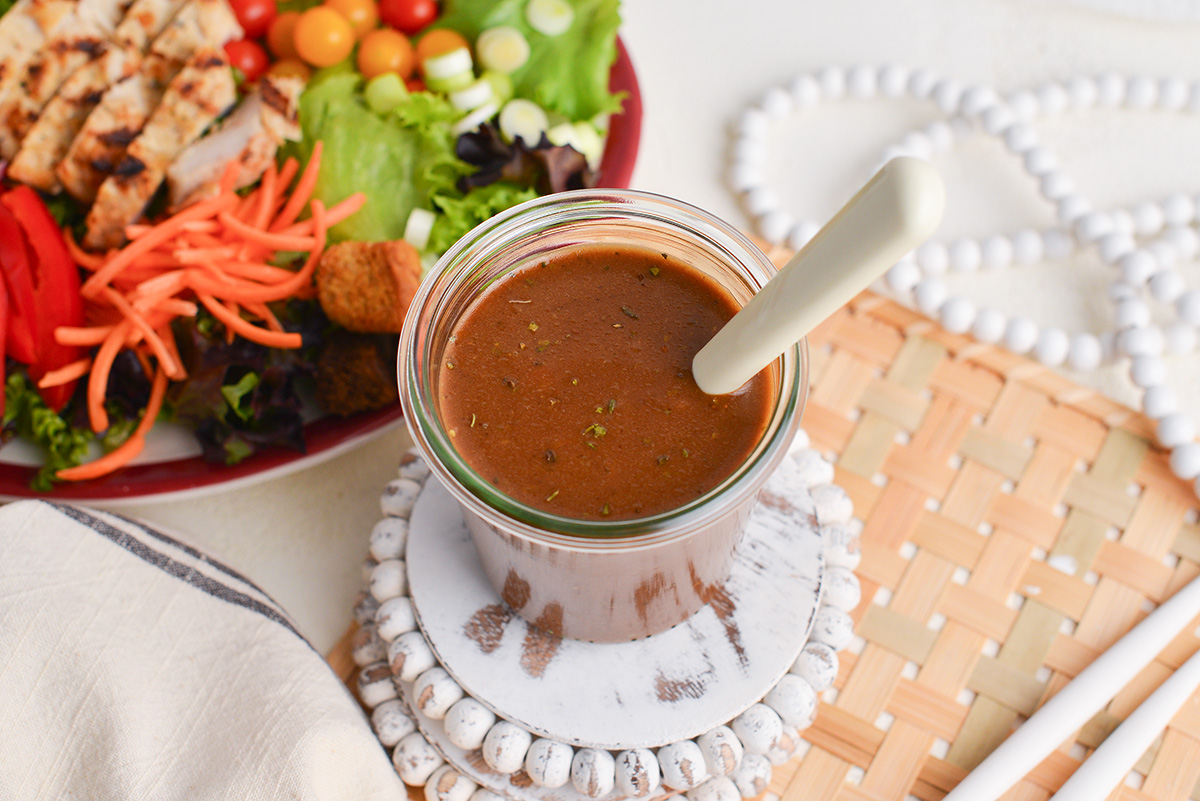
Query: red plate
x=325 y=437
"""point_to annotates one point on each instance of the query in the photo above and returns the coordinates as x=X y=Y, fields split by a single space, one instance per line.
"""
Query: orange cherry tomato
x=363 y=15
x=290 y=67
x=323 y=37
x=281 y=36
x=439 y=41
x=385 y=50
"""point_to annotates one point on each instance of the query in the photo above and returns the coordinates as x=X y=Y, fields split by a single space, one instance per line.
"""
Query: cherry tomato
x=414 y=85
x=323 y=37
x=385 y=50
x=408 y=16
x=439 y=41
x=255 y=16
x=363 y=15
x=281 y=36
x=290 y=67
x=249 y=57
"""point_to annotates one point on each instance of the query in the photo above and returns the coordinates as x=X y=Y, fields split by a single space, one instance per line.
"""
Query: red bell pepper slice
x=15 y=264
x=56 y=289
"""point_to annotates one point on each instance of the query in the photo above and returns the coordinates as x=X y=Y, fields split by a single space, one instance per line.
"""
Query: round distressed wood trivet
x=453 y=676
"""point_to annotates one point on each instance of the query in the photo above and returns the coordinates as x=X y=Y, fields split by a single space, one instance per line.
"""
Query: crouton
x=356 y=373
x=368 y=286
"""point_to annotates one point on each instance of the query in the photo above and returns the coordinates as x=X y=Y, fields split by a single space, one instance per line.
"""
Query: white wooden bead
x=1175 y=429
x=997 y=119
x=413 y=466
x=1027 y=247
x=933 y=257
x=758 y=728
x=388 y=580
x=1053 y=98
x=1184 y=239
x=398 y=497
x=389 y=538
x=1020 y=335
x=1020 y=138
x=722 y=751
x=1115 y=245
x=434 y=692
x=447 y=784
x=1173 y=93
x=833 y=82
x=1093 y=225
x=1148 y=218
x=1070 y=208
x=1179 y=209
x=745 y=176
x=718 y=788
x=1122 y=222
x=752 y=122
x=921 y=83
x=367 y=647
x=833 y=627
x=1164 y=253
x=1147 y=371
x=996 y=252
x=861 y=82
x=548 y=762
x=1179 y=338
x=467 y=722
x=794 y=700
x=391 y=722
x=1131 y=313
x=395 y=617
x=1024 y=104
x=989 y=326
x=832 y=504
x=1160 y=401
x=682 y=765
x=787 y=745
x=1140 y=341
x=750 y=149
x=1185 y=460
x=800 y=441
x=761 y=200
x=802 y=233
x=977 y=99
x=415 y=759
x=841 y=545
x=753 y=775
x=805 y=91
x=593 y=772
x=1141 y=92
x=777 y=103
x=410 y=656
x=1057 y=244
x=1056 y=185
x=817 y=664
x=1053 y=346
x=1188 y=307
x=1085 y=352
x=375 y=685
x=1111 y=88
x=365 y=605
x=930 y=294
x=637 y=773
x=948 y=95
x=965 y=255
x=1083 y=92
x=1039 y=161
x=776 y=225
x=484 y=794
x=813 y=468
x=917 y=144
x=893 y=80
x=957 y=315
x=841 y=589
x=505 y=747
x=1136 y=268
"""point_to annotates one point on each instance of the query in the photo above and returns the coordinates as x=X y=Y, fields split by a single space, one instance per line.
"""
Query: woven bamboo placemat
x=1014 y=525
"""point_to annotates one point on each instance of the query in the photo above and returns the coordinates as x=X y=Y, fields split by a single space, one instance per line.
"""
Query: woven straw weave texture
x=1014 y=525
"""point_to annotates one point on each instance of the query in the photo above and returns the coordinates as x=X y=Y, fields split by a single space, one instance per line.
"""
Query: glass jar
x=597 y=580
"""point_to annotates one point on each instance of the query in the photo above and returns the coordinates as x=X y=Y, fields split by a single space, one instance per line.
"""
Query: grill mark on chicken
x=120 y=136
x=130 y=167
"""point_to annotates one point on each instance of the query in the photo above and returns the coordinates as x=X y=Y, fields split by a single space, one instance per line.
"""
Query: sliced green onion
x=588 y=142
x=448 y=65
x=524 y=119
x=473 y=96
x=418 y=227
x=452 y=84
x=503 y=49
x=384 y=92
x=551 y=17
x=476 y=118
x=502 y=85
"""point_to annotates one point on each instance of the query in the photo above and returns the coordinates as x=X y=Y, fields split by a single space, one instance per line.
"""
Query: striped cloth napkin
x=132 y=666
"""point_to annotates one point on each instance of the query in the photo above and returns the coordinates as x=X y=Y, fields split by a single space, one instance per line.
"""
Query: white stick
x=896 y=211
x=1075 y=704
x=1120 y=751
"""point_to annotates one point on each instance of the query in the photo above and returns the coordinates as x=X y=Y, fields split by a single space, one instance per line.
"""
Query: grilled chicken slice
x=23 y=30
x=125 y=107
x=79 y=40
x=250 y=135
x=201 y=92
x=46 y=143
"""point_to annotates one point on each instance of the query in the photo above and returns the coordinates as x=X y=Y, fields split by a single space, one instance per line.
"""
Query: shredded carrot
x=272 y=339
x=88 y=261
x=302 y=192
x=124 y=453
x=286 y=173
x=264 y=313
x=255 y=236
x=67 y=373
x=230 y=175
x=204 y=255
x=139 y=322
x=266 y=199
x=98 y=380
x=84 y=337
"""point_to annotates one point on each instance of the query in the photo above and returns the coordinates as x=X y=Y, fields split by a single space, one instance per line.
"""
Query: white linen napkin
x=133 y=666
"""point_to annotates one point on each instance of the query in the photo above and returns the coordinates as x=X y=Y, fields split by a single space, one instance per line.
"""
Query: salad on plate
x=214 y=213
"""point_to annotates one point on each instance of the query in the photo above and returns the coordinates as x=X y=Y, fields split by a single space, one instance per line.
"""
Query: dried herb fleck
x=654 y=271
x=685 y=453
x=628 y=312
x=551 y=496
x=596 y=430
x=472 y=421
x=551 y=457
x=663 y=459
x=533 y=326
x=612 y=405
x=606 y=509
x=449 y=365
x=511 y=383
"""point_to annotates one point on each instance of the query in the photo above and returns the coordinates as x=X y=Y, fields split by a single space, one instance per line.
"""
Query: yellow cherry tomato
x=439 y=41
x=363 y=15
x=281 y=36
x=323 y=37
x=290 y=67
x=385 y=50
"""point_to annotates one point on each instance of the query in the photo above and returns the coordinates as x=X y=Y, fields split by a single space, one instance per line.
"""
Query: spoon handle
x=897 y=210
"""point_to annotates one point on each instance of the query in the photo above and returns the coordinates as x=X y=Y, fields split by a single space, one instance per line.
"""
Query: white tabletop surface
x=700 y=62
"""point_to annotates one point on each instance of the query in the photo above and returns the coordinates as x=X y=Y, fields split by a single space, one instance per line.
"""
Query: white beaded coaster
x=475 y=703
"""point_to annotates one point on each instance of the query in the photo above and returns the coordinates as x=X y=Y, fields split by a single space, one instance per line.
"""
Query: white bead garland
x=1144 y=243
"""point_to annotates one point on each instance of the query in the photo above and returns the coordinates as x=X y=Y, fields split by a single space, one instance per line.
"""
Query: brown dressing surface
x=568 y=386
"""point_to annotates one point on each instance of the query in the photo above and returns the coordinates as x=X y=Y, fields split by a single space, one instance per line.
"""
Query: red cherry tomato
x=255 y=16
x=249 y=57
x=408 y=16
